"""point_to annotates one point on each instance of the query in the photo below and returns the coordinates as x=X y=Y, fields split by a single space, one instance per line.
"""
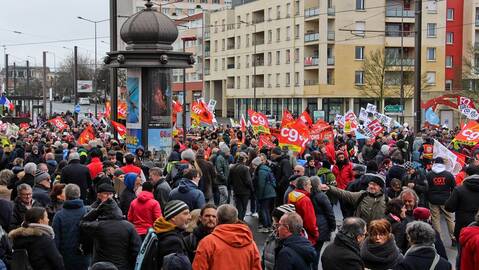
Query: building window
x=431 y=77
x=238 y=42
x=178 y=11
x=247 y=82
x=288 y=10
x=296 y=31
x=278 y=55
x=288 y=57
x=431 y=30
x=247 y=17
x=277 y=80
x=288 y=79
x=431 y=54
x=223 y=42
x=278 y=34
x=296 y=7
x=360 y=26
x=449 y=37
x=359 y=77
x=270 y=58
x=191 y=11
x=359 y=53
x=238 y=62
x=270 y=11
x=449 y=61
x=216 y=45
x=288 y=33
x=450 y=14
x=269 y=80
x=238 y=22
x=296 y=55
x=270 y=36
x=247 y=60
x=223 y=64
x=223 y=25
x=278 y=12
x=247 y=40
x=360 y=4
x=216 y=64
x=296 y=79
x=165 y=11
x=238 y=82
x=448 y=85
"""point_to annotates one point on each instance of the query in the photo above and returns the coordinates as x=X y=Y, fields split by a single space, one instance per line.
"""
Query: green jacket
x=370 y=207
x=263 y=186
x=327 y=177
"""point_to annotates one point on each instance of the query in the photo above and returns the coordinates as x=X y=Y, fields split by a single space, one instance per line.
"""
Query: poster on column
x=158 y=86
x=133 y=99
x=133 y=139
x=160 y=142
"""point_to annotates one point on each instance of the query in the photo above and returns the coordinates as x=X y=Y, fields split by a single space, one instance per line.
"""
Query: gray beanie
x=74 y=156
x=256 y=161
x=173 y=208
x=41 y=176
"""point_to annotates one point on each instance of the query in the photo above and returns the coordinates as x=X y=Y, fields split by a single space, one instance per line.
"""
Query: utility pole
x=417 y=66
x=45 y=83
x=183 y=114
x=113 y=71
x=14 y=77
x=75 y=78
x=402 y=65
x=27 y=86
x=254 y=69
x=5 y=91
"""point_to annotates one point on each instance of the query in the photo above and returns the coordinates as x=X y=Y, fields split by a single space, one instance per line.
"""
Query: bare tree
x=470 y=73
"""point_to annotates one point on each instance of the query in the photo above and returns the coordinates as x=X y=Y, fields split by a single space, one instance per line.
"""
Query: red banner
x=265 y=141
x=294 y=136
x=121 y=109
x=87 y=135
x=375 y=127
x=306 y=118
x=469 y=134
x=200 y=113
x=120 y=128
x=287 y=119
x=320 y=130
x=59 y=123
x=259 y=122
x=242 y=124
x=24 y=125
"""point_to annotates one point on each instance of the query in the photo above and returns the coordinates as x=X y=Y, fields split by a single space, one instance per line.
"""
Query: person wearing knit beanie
x=173 y=208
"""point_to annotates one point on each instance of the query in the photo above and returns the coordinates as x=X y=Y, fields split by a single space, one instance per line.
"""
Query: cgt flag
x=200 y=113
x=294 y=136
x=265 y=141
x=259 y=122
x=59 y=123
x=288 y=118
x=120 y=128
x=87 y=135
x=306 y=118
x=469 y=134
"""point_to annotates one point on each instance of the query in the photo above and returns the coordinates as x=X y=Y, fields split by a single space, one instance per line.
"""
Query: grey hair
x=6 y=176
x=188 y=154
x=23 y=187
x=72 y=191
x=315 y=182
x=301 y=182
x=420 y=233
x=155 y=170
x=294 y=222
x=353 y=227
x=30 y=168
x=227 y=214
x=409 y=191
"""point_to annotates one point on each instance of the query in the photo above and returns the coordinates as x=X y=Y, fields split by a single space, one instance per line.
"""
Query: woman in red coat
x=469 y=240
x=144 y=210
x=342 y=170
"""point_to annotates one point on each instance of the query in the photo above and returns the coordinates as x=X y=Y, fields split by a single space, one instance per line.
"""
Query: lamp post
x=185 y=39
x=94 y=69
x=254 y=58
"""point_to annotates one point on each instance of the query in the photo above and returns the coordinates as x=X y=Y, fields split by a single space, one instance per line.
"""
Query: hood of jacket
x=472 y=182
x=235 y=235
x=264 y=167
x=296 y=195
x=186 y=185
x=145 y=196
x=110 y=210
x=438 y=167
x=52 y=162
x=301 y=246
x=468 y=234
x=161 y=225
x=383 y=256
x=130 y=179
x=342 y=239
x=33 y=229
x=73 y=204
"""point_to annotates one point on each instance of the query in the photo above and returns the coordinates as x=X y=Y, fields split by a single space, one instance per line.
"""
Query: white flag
x=450 y=159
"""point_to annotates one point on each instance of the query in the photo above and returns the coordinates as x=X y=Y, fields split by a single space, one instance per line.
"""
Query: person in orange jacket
x=230 y=244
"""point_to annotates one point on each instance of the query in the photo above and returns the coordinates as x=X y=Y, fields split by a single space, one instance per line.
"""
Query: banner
x=363 y=115
x=321 y=130
x=265 y=141
x=259 y=122
x=353 y=122
x=469 y=134
x=450 y=159
x=242 y=124
x=371 y=108
x=466 y=106
x=87 y=135
x=375 y=127
x=287 y=119
x=294 y=136
x=120 y=128
x=199 y=113
x=59 y=123
x=306 y=118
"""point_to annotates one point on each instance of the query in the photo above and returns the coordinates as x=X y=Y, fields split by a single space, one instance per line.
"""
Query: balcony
x=311 y=82
x=397 y=62
x=207 y=53
x=311 y=37
x=477 y=22
x=398 y=12
x=330 y=61
x=331 y=11
x=311 y=12
x=397 y=33
x=230 y=47
x=207 y=34
x=230 y=66
x=311 y=61
x=331 y=35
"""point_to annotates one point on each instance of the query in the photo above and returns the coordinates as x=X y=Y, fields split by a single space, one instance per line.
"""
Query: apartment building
x=308 y=53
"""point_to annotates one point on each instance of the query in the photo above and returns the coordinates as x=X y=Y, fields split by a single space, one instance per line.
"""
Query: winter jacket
x=143 y=212
x=440 y=184
x=115 y=240
x=326 y=176
x=325 y=219
x=130 y=168
x=208 y=175
x=41 y=194
x=371 y=206
x=5 y=192
x=222 y=169
x=283 y=170
x=343 y=175
x=421 y=257
x=380 y=257
x=170 y=239
x=269 y=249
x=66 y=225
x=19 y=210
x=295 y=252
x=27 y=179
x=342 y=254
x=188 y=192
x=240 y=179
x=37 y=239
x=304 y=207
x=464 y=201
x=126 y=197
x=162 y=193
x=95 y=167
x=310 y=170
x=469 y=241
x=396 y=171
x=35 y=158
x=52 y=166
x=227 y=244
x=398 y=229
x=76 y=173
x=6 y=211
x=420 y=185
x=193 y=239
x=264 y=188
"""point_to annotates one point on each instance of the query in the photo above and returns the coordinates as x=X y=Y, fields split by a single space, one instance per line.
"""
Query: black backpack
x=20 y=260
x=147 y=256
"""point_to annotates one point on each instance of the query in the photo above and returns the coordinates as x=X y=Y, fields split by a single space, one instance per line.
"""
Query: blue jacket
x=42 y=195
x=66 y=225
x=263 y=186
x=188 y=192
x=296 y=253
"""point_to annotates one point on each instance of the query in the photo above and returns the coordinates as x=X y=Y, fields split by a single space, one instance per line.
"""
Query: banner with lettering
x=306 y=118
x=265 y=141
x=259 y=122
x=469 y=134
x=200 y=113
x=294 y=136
x=375 y=127
x=287 y=119
x=59 y=123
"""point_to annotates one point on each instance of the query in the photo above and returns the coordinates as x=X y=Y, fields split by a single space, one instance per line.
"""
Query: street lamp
x=53 y=84
x=254 y=64
x=94 y=70
x=185 y=39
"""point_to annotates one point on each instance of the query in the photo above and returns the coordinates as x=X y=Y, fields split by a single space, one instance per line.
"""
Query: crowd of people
x=98 y=206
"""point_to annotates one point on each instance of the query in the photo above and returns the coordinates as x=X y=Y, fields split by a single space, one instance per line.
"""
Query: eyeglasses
x=297 y=171
x=25 y=194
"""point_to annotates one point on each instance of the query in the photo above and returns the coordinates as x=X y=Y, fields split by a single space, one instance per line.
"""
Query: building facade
x=306 y=53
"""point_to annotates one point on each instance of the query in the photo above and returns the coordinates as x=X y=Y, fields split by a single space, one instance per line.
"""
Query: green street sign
x=393 y=108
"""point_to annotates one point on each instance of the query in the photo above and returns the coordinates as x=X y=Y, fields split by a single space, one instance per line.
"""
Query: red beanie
x=421 y=213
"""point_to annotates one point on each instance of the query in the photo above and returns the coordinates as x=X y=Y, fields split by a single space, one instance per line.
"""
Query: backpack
x=147 y=255
x=20 y=260
x=176 y=174
x=271 y=179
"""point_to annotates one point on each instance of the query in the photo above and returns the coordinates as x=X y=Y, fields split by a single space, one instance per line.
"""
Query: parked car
x=84 y=101
x=66 y=99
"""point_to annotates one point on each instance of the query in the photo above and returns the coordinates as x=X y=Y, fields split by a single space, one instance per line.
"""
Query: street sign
x=77 y=108
x=393 y=108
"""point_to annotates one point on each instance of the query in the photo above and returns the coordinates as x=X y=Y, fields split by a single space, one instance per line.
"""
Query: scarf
x=45 y=229
x=384 y=256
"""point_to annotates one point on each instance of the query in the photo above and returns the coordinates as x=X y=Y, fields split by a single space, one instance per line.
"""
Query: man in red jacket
x=342 y=170
x=144 y=210
x=304 y=207
x=130 y=167
x=95 y=166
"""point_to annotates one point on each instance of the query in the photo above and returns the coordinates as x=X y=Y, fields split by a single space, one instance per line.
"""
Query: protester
x=208 y=175
x=469 y=242
x=342 y=170
x=205 y=226
x=188 y=191
x=22 y=203
x=161 y=188
x=57 y=197
x=325 y=219
x=6 y=176
x=264 y=186
x=29 y=178
x=41 y=190
x=78 y=174
x=144 y=210
x=132 y=183
x=240 y=180
x=423 y=214
x=282 y=171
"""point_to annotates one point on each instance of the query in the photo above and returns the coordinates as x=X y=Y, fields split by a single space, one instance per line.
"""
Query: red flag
x=24 y=125
x=259 y=122
x=265 y=141
x=59 y=123
x=319 y=130
x=288 y=118
x=375 y=127
x=87 y=135
x=306 y=118
x=120 y=128
x=201 y=113
x=469 y=134
x=294 y=136
x=177 y=107
x=243 y=124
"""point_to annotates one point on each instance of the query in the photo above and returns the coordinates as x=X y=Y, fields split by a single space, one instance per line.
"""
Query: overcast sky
x=51 y=20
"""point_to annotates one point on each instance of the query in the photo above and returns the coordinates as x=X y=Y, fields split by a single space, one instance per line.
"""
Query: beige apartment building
x=307 y=53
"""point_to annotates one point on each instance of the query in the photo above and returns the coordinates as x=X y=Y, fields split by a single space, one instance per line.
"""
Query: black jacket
x=440 y=185
x=193 y=239
x=76 y=173
x=115 y=240
x=240 y=179
x=41 y=194
x=6 y=211
x=342 y=254
x=169 y=242
x=398 y=229
x=19 y=211
x=420 y=258
x=396 y=171
x=42 y=252
x=420 y=185
x=126 y=197
x=464 y=201
x=282 y=171
x=324 y=215
x=208 y=174
x=27 y=179
x=294 y=252
x=380 y=257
